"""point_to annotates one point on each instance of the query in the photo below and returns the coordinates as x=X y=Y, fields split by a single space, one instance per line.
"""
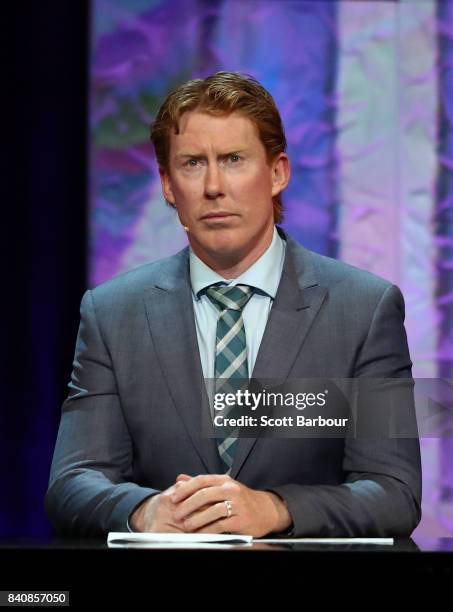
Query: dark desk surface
x=93 y=573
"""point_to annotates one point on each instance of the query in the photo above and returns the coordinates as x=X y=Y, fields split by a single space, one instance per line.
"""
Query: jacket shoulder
x=340 y=271
x=135 y=281
x=330 y=272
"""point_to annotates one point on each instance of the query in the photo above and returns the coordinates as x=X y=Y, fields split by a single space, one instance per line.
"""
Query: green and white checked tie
x=231 y=369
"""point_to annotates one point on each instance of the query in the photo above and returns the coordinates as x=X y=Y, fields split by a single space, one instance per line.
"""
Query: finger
x=180 y=478
x=221 y=526
x=180 y=522
x=203 y=518
x=203 y=497
x=168 y=528
x=189 y=487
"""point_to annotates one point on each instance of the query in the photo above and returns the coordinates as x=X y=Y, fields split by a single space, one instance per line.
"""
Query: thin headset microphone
x=184 y=226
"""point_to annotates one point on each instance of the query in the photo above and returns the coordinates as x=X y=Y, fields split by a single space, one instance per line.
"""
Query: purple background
x=142 y=49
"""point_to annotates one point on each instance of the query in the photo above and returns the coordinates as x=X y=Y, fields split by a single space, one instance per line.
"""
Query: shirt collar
x=264 y=274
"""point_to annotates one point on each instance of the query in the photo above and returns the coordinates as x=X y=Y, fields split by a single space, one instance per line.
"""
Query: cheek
x=186 y=194
x=254 y=193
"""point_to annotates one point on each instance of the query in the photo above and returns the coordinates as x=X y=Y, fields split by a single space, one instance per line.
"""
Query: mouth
x=218 y=215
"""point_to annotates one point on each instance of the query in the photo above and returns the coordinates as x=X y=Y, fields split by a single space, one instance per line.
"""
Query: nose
x=213 y=182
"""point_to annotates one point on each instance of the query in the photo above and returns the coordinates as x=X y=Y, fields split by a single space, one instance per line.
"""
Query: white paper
x=221 y=540
x=174 y=540
x=378 y=541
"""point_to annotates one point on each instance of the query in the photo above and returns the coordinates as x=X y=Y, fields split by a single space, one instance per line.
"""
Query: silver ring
x=229 y=507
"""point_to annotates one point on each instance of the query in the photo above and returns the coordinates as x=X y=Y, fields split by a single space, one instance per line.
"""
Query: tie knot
x=229 y=298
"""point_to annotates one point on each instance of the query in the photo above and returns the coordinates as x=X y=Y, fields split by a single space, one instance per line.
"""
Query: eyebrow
x=200 y=155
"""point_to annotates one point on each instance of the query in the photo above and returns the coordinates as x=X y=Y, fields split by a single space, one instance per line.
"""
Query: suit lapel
x=172 y=325
x=171 y=321
x=296 y=305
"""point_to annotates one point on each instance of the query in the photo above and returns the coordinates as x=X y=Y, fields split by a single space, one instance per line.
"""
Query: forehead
x=198 y=129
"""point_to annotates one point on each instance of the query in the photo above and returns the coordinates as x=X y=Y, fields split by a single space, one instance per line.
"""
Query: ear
x=166 y=186
x=281 y=172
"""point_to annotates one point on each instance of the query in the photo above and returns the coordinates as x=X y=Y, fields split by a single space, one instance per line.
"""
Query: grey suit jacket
x=131 y=422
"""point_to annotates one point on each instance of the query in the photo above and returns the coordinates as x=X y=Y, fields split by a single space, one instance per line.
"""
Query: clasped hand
x=197 y=505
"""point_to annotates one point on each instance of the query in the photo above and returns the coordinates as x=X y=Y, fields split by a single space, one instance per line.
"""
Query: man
x=242 y=299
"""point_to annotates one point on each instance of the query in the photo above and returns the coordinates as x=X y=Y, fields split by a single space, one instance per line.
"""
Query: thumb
x=183 y=477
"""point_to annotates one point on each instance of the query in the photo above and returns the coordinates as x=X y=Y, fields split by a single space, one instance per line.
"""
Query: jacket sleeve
x=381 y=493
x=90 y=490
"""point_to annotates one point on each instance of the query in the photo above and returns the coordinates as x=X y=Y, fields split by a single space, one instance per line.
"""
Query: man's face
x=222 y=185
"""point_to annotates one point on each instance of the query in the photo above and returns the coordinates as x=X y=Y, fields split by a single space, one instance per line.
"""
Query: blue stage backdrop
x=366 y=94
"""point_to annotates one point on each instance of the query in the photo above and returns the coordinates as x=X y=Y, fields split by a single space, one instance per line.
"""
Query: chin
x=224 y=248
x=221 y=240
